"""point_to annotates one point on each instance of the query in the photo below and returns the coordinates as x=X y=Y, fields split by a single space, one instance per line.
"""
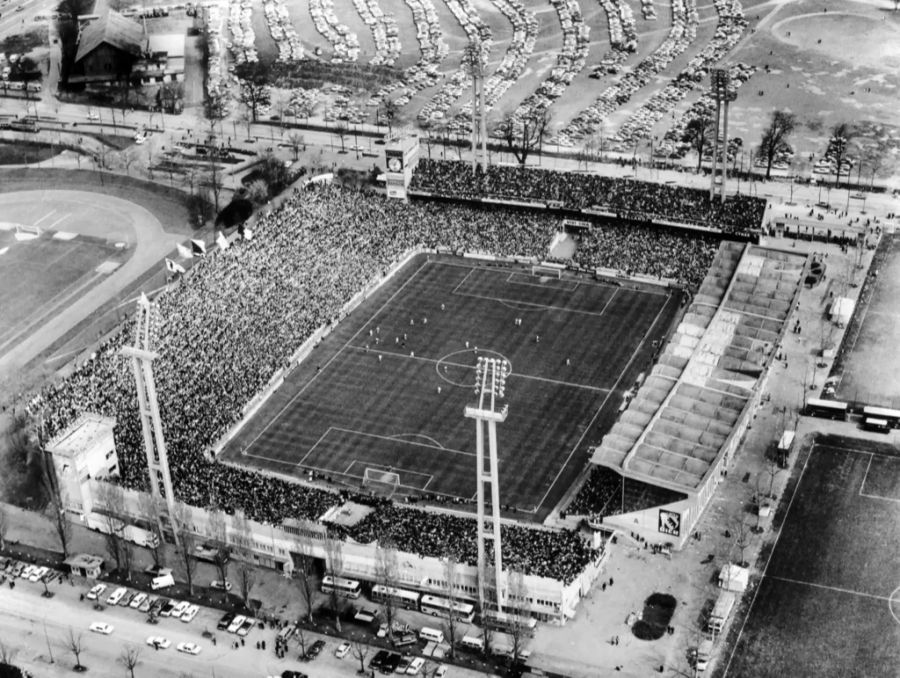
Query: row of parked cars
x=154 y=606
x=236 y=623
x=10 y=568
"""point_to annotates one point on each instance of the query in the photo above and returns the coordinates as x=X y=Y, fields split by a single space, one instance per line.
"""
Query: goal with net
x=546 y=272
x=380 y=481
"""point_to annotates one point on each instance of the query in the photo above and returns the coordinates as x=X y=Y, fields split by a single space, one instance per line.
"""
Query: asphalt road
x=38 y=629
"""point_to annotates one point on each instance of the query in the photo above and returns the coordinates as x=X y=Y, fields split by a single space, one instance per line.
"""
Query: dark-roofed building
x=108 y=47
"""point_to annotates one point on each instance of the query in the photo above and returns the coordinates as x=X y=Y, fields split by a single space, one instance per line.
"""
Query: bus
x=875 y=424
x=891 y=416
x=827 y=409
x=438 y=607
x=508 y=623
x=348 y=588
x=401 y=597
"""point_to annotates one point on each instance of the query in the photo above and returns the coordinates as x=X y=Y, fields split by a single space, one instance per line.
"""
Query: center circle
x=455 y=372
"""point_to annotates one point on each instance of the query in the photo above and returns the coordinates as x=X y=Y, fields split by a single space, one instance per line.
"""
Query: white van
x=473 y=643
x=432 y=635
x=116 y=596
x=162 y=581
x=704 y=654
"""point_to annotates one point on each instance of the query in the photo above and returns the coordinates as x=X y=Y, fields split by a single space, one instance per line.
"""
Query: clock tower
x=401 y=154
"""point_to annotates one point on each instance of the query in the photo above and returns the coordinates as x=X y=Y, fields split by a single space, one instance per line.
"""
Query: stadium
x=312 y=380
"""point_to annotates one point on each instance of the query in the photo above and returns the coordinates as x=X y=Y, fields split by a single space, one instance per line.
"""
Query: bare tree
x=75 y=645
x=213 y=178
x=334 y=565
x=150 y=507
x=386 y=575
x=130 y=658
x=389 y=111
x=743 y=538
x=841 y=134
x=255 y=88
x=304 y=571
x=58 y=498
x=112 y=499
x=774 y=138
x=246 y=574
x=218 y=528
x=360 y=650
x=187 y=561
x=340 y=128
x=301 y=639
x=523 y=135
x=519 y=610
x=4 y=525
x=451 y=566
x=296 y=142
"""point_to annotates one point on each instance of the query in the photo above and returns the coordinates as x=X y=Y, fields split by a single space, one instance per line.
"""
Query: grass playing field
x=388 y=387
x=44 y=275
x=829 y=602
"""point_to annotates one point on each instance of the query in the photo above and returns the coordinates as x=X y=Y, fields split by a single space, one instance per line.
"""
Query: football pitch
x=387 y=388
x=829 y=601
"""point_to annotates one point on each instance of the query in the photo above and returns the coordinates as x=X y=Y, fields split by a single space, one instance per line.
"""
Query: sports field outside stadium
x=828 y=604
x=387 y=389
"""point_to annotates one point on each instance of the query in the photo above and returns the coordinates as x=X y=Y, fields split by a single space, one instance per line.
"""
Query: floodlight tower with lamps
x=148 y=406
x=490 y=386
x=723 y=93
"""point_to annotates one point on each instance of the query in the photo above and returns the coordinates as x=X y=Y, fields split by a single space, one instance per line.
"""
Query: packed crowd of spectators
x=239 y=315
x=440 y=535
x=635 y=199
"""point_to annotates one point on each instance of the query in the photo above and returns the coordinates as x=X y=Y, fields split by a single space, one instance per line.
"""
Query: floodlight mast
x=148 y=406
x=490 y=387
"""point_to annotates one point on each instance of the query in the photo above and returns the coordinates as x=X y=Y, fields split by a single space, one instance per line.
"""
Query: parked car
x=38 y=573
x=391 y=662
x=138 y=600
x=101 y=627
x=315 y=649
x=157 y=606
x=403 y=665
x=180 y=609
x=246 y=627
x=236 y=623
x=147 y=603
x=378 y=660
x=127 y=598
x=225 y=621
x=159 y=642
x=342 y=650
x=188 y=648
x=415 y=665
x=441 y=671
x=166 y=610
x=219 y=584
x=116 y=596
x=189 y=614
x=96 y=591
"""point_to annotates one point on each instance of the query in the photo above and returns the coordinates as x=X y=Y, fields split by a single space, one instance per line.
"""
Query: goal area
x=381 y=482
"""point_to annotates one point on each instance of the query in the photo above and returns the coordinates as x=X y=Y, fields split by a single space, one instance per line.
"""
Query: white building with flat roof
x=84 y=451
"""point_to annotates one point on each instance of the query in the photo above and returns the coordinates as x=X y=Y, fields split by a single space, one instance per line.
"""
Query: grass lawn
x=828 y=604
x=397 y=403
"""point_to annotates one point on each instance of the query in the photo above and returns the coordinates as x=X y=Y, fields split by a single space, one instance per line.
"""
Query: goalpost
x=381 y=482
x=546 y=272
x=27 y=232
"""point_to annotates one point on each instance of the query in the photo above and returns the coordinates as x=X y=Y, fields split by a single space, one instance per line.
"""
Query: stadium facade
x=82 y=456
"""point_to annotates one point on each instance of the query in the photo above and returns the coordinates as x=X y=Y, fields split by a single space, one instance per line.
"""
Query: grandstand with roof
x=658 y=467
